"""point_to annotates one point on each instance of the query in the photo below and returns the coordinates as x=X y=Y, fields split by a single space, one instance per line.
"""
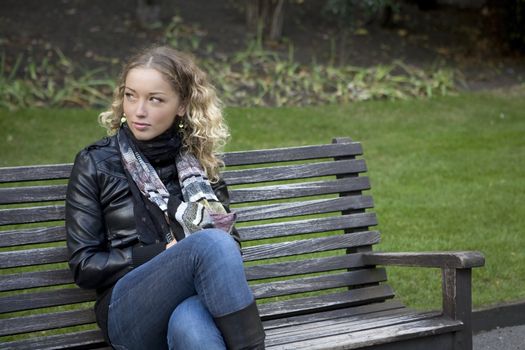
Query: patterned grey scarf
x=200 y=207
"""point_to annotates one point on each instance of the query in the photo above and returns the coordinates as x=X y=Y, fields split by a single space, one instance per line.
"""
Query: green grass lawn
x=446 y=173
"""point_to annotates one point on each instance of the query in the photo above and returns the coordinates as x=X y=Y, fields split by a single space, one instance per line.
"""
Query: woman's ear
x=181 y=111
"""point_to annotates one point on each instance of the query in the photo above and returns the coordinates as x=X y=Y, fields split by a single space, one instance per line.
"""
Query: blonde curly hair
x=205 y=131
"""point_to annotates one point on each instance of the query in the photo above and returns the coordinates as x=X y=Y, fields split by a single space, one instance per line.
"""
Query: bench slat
x=33 y=257
x=332 y=326
x=18 y=237
x=92 y=339
x=41 y=256
x=376 y=336
x=35 y=172
x=289 y=228
x=310 y=284
x=35 y=279
x=57 y=212
x=294 y=190
x=298 y=267
x=272 y=211
x=348 y=325
x=387 y=305
x=276 y=250
x=296 y=171
x=62 y=171
x=41 y=322
x=31 y=215
x=30 y=194
x=292 y=153
x=29 y=301
x=316 y=206
x=287 y=308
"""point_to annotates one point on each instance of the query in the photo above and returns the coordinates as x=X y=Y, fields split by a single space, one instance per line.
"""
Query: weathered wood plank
x=275 y=250
x=317 y=206
x=291 y=228
x=310 y=284
x=12 y=238
x=35 y=172
x=372 y=308
x=29 y=301
x=459 y=260
x=292 y=307
x=299 y=267
x=24 y=280
x=294 y=190
x=374 y=337
x=296 y=171
x=30 y=194
x=40 y=322
x=92 y=339
x=292 y=153
x=33 y=257
x=457 y=302
x=348 y=325
x=30 y=215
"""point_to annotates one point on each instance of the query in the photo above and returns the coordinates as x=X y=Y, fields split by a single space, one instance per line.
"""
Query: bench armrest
x=456 y=283
x=458 y=260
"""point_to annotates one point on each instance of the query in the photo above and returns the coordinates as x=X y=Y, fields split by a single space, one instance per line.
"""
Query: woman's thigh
x=144 y=299
x=191 y=326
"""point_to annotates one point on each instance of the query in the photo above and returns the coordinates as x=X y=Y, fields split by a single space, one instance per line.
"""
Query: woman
x=147 y=229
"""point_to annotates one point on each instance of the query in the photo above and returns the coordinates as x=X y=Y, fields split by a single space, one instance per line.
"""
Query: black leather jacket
x=102 y=238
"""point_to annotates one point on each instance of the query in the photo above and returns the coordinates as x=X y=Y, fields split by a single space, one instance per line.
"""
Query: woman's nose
x=141 y=109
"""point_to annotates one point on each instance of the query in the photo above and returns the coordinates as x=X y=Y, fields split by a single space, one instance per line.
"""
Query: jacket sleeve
x=93 y=263
x=221 y=191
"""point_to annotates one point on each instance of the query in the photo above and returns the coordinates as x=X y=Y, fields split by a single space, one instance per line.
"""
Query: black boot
x=242 y=330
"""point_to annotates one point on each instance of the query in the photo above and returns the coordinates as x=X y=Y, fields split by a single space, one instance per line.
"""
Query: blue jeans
x=171 y=300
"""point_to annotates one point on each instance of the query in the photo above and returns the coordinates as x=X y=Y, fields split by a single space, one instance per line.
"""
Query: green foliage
x=251 y=77
x=184 y=37
x=261 y=78
x=52 y=82
x=258 y=77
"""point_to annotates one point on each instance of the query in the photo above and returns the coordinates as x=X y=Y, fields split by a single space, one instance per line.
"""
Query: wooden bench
x=307 y=238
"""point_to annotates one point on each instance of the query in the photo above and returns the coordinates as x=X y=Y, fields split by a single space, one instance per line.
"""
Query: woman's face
x=150 y=103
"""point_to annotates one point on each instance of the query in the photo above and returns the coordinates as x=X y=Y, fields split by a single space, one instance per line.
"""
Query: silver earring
x=123 y=119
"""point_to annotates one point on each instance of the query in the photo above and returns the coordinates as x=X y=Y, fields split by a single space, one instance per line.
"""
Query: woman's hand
x=171 y=244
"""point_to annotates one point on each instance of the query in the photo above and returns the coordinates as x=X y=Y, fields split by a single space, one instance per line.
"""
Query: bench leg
x=457 y=303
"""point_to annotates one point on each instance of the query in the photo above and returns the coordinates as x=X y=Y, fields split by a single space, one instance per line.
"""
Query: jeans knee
x=181 y=335
x=219 y=244
x=192 y=327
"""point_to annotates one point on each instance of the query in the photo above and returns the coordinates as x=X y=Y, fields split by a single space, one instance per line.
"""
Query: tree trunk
x=276 y=26
x=267 y=16
x=252 y=15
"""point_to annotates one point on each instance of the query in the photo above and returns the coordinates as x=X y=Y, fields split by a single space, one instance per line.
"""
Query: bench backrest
x=302 y=218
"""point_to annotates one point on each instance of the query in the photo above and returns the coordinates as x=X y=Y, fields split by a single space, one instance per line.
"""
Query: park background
x=434 y=91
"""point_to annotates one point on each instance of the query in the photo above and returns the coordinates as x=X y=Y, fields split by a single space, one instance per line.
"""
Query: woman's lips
x=140 y=126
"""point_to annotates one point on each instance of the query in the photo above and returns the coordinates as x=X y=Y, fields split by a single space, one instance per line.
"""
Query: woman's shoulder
x=101 y=149
x=103 y=155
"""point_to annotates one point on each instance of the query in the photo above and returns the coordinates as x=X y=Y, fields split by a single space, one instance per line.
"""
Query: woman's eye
x=157 y=100
x=129 y=96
